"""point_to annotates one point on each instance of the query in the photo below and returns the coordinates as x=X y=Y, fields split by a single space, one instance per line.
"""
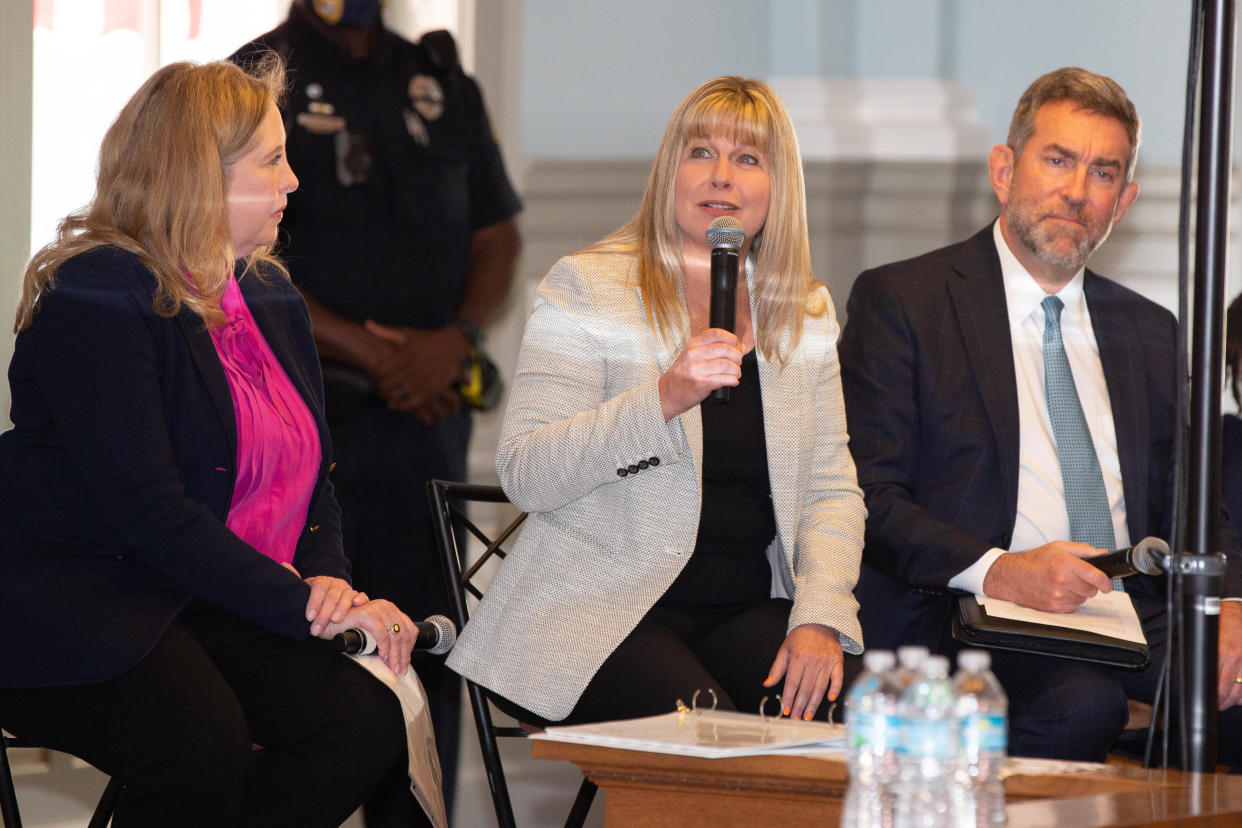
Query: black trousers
x=1065 y=709
x=179 y=728
x=674 y=652
x=384 y=460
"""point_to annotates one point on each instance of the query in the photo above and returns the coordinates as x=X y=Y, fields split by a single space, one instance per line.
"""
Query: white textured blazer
x=599 y=549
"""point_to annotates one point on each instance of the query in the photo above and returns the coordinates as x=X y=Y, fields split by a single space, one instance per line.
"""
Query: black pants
x=673 y=652
x=178 y=729
x=384 y=460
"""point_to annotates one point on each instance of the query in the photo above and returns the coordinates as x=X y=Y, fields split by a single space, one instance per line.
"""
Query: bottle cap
x=911 y=656
x=936 y=666
x=879 y=661
x=974 y=661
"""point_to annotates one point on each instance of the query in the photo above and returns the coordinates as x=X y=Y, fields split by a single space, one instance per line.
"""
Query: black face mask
x=357 y=14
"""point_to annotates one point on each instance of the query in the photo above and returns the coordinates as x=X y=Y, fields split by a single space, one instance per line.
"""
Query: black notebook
x=973 y=626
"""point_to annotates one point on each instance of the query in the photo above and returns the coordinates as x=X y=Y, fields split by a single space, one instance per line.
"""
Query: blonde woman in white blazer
x=674 y=546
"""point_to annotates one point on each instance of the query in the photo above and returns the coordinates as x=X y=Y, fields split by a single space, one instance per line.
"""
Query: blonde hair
x=162 y=183
x=749 y=112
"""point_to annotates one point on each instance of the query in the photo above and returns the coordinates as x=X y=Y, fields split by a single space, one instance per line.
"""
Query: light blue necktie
x=1086 y=500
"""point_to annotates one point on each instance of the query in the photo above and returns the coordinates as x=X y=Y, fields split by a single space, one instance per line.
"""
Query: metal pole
x=1203 y=569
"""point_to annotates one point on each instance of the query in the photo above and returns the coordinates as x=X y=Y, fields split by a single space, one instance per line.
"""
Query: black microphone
x=1146 y=557
x=725 y=235
x=436 y=635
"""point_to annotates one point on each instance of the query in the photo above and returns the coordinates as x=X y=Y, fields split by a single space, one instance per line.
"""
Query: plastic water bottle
x=870 y=743
x=983 y=711
x=930 y=740
x=909 y=659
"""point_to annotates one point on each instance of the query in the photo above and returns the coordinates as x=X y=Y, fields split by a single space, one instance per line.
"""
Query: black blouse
x=736 y=523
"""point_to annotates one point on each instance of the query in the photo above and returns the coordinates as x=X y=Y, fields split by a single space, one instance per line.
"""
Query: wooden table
x=654 y=790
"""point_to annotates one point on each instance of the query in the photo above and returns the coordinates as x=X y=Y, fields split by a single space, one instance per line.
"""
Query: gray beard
x=1041 y=242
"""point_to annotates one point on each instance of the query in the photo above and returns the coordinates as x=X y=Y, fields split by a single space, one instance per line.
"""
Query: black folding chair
x=8 y=793
x=448 y=509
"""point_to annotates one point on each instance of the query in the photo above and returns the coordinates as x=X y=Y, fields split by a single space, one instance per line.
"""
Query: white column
x=860 y=88
x=16 y=66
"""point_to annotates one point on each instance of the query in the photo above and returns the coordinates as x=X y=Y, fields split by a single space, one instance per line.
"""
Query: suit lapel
x=277 y=336
x=691 y=419
x=271 y=316
x=786 y=409
x=203 y=352
x=1125 y=375
x=978 y=298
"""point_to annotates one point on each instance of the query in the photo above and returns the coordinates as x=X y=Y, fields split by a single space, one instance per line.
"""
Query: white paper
x=420 y=739
x=1107 y=613
x=1027 y=766
x=706 y=733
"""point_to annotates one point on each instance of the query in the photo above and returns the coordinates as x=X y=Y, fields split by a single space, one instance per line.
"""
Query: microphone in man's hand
x=436 y=635
x=725 y=235
x=1145 y=557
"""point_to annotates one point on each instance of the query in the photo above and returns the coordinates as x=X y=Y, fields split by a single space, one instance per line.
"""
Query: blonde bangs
x=747 y=112
x=738 y=118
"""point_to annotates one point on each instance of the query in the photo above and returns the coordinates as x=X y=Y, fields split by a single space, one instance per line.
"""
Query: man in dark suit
x=982 y=473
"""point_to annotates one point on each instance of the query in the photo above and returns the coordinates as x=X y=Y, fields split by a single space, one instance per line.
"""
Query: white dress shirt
x=1042 y=516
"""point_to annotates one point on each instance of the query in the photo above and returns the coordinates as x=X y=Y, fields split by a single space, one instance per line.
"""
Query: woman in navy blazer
x=139 y=631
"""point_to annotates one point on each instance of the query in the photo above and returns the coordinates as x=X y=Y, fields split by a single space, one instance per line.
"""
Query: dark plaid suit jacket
x=932 y=406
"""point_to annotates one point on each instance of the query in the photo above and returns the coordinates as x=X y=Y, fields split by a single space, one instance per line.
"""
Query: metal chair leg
x=107 y=804
x=8 y=794
x=582 y=804
x=491 y=757
x=12 y=817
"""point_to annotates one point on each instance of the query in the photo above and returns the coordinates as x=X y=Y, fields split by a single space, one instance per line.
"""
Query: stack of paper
x=706 y=733
x=1108 y=613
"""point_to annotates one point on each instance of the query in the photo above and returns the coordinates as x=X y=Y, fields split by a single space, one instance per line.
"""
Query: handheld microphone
x=436 y=635
x=725 y=235
x=1145 y=557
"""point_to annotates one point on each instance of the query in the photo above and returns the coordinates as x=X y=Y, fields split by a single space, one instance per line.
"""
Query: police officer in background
x=402 y=238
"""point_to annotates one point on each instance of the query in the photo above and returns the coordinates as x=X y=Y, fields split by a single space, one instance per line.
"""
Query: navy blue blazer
x=117 y=476
x=932 y=405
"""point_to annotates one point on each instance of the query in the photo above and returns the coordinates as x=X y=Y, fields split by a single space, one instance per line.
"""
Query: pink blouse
x=278 y=451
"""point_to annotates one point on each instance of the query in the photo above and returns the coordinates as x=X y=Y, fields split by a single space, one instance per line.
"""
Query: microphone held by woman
x=725 y=235
x=436 y=635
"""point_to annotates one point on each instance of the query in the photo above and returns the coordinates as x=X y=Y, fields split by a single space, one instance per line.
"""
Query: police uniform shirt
x=397 y=168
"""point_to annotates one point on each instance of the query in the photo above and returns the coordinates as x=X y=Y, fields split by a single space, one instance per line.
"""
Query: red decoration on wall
x=43 y=13
x=118 y=14
x=196 y=17
x=122 y=14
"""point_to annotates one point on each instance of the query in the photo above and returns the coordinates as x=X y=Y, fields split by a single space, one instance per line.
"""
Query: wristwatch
x=470 y=331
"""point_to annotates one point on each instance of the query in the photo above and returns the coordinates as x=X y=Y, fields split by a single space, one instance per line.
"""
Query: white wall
x=599 y=78
x=1142 y=44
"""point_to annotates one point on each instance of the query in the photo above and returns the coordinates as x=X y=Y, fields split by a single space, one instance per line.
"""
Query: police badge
x=426 y=96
